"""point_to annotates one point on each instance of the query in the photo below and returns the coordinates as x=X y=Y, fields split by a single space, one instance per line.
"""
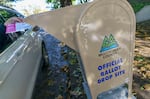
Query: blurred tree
x=60 y=3
x=3 y=2
x=63 y=3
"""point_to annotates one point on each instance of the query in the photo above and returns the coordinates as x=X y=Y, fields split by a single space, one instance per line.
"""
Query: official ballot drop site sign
x=103 y=34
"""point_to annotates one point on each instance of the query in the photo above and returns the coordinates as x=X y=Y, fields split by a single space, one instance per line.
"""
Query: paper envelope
x=103 y=33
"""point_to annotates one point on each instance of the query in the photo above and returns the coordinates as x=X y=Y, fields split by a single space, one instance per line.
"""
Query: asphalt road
x=63 y=78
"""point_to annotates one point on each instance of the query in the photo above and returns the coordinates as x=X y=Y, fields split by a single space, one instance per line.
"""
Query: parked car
x=20 y=60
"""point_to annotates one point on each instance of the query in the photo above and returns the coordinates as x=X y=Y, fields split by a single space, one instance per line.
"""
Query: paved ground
x=63 y=79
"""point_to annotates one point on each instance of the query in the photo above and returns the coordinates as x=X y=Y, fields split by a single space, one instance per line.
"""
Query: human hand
x=13 y=20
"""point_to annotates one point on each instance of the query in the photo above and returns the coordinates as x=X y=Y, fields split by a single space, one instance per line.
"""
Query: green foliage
x=139 y=58
x=137 y=6
x=56 y=3
x=6 y=15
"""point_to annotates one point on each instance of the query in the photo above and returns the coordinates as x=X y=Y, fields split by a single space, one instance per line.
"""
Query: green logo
x=109 y=43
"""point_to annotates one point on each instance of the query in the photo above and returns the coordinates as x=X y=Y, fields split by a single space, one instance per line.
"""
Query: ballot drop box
x=103 y=33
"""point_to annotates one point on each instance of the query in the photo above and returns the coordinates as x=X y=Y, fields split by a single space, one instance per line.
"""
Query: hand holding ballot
x=13 y=20
x=16 y=24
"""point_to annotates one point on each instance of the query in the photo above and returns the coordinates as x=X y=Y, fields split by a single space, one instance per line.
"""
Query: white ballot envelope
x=103 y=33
x=16 y=27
